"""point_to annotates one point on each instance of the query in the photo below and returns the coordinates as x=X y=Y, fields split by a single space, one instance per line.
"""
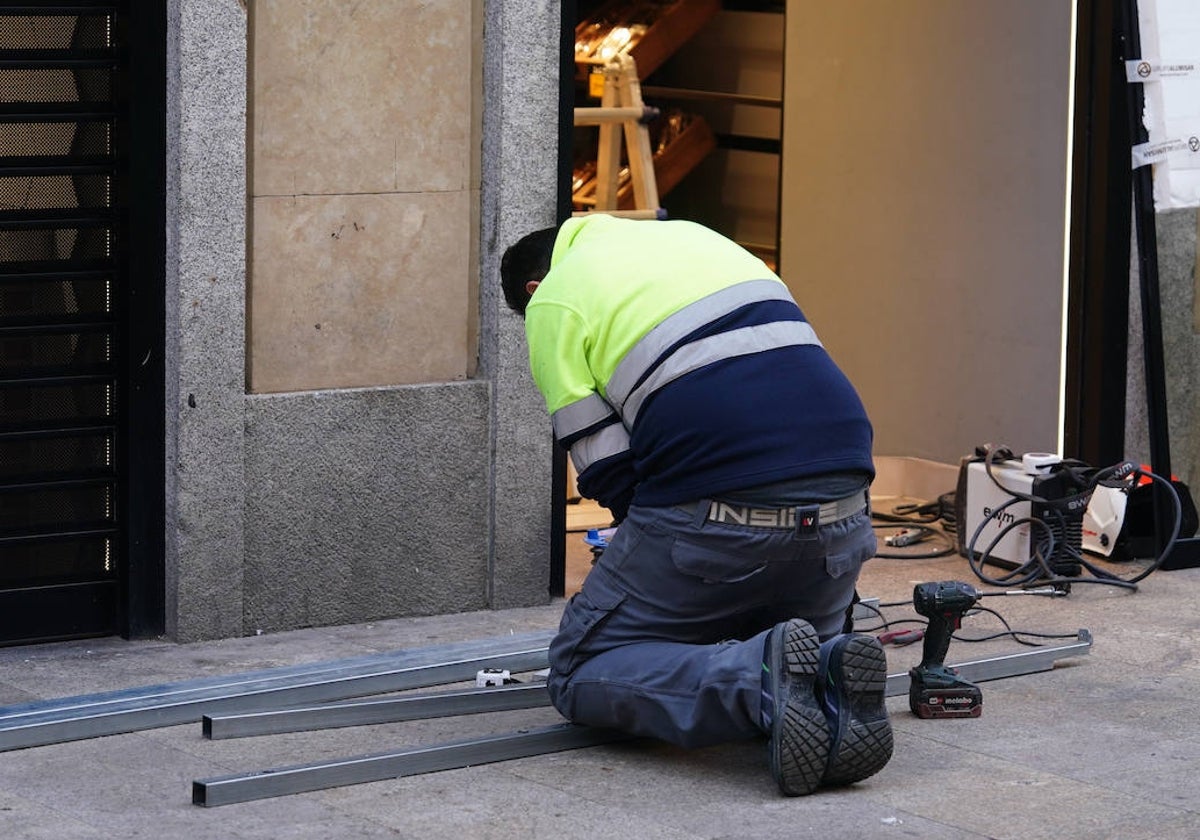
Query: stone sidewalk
x=1103 y=746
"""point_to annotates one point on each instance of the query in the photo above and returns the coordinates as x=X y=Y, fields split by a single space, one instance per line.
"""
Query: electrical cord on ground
x=1022 y=637
x=877 y=610
x=1009 y=631
x=946 y=511
x=887 y=624
x=917 y=513
x=912 y=542
x=925 y=513
x=1039 y=568
x=910 y=535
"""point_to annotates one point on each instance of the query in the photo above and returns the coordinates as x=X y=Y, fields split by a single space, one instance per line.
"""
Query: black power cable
x=908 y=532
x=1018 y=636
x=1022 y=637
x=912 y=542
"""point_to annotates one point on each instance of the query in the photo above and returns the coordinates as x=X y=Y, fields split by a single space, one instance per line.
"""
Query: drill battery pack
x=962 y=701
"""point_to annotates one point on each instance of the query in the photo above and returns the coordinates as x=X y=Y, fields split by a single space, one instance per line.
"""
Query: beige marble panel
x=353 y=291
x=370 y=96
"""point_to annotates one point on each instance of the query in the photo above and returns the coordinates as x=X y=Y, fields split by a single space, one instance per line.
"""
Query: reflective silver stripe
x=693 y=316
x=579 y=415
x=724 y=345
x=609 y=441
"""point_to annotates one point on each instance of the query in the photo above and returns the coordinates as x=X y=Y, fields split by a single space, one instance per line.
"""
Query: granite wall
x=1179 y=276
x=205 y=306
x=352 y=432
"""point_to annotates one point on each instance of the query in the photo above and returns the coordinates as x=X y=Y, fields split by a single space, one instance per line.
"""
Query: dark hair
x=525 y=260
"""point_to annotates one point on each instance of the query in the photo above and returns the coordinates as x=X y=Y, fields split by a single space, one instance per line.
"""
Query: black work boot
x=799 y=745
x=853 y=679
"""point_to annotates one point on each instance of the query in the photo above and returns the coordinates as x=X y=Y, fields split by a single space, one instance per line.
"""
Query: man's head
x=525 y=264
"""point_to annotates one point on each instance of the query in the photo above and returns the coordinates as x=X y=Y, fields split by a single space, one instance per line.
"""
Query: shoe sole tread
x=866 y=743
x=800 y=747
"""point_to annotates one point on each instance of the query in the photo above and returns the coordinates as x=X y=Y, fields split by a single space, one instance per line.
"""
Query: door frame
x=1097 y=342
x=143 y=600
x=1097 y=308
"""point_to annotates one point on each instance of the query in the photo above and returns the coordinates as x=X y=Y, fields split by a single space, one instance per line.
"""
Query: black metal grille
x=60 y=320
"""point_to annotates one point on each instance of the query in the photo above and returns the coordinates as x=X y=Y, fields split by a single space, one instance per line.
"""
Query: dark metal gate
x=66 y=194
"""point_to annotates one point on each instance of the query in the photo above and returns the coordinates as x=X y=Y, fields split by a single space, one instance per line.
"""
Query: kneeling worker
x=700 y=408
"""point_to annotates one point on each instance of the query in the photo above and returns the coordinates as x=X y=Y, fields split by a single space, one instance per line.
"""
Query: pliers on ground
x=900 y=638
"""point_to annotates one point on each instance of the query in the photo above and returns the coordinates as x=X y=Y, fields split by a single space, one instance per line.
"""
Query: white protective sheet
x=1170 y=71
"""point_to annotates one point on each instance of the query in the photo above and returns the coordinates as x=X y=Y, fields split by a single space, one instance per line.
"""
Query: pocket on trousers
x=851 y=551
x=583 y=618
x=714 y=565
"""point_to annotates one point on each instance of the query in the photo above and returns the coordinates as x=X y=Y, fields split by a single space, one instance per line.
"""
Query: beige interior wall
x=364 y=179
x=922 y=224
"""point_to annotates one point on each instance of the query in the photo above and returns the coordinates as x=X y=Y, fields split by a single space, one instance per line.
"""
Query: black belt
x=794 y=517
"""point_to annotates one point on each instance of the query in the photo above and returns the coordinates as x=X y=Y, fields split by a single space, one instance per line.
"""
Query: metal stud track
x=89 y=716
x=262 y=784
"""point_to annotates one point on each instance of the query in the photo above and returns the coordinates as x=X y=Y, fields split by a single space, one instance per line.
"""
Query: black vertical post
x=1147 y=246
x=1098 y=313
x=1184 y=553
x=145 y=432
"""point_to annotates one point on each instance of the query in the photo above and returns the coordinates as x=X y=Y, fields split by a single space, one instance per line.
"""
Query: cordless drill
x=936 y=691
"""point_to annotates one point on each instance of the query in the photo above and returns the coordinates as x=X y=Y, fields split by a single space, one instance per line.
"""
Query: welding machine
x=1010 y=511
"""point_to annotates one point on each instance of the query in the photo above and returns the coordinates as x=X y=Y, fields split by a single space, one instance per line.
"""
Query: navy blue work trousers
x=666 y=637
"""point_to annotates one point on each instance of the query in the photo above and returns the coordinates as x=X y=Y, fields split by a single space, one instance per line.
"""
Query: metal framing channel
x=1007 y=665
x=365 y=712
x=361 y=713
x=88 y=716
x=263 y=784
x=226 y=790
